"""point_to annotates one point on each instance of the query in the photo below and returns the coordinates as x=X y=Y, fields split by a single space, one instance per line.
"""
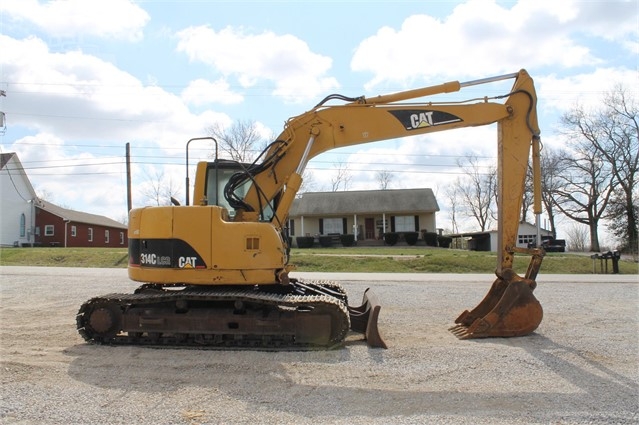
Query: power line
x=385 y=154
x=121 y=162
x=404 y=171
x=78 y=117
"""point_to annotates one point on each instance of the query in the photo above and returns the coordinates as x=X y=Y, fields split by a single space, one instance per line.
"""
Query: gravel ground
x=580 y=366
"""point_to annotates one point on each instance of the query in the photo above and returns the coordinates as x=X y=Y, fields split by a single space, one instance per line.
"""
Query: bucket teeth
x=460 y=331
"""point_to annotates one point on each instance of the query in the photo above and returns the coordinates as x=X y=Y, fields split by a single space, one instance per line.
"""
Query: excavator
x=216 y=274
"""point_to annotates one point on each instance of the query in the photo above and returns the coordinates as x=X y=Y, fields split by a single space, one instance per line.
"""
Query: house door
x=369 y=224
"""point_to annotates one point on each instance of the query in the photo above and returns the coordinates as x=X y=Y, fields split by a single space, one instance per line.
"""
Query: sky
x=82 y=78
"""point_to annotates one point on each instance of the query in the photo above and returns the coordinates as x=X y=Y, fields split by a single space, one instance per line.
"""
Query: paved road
x=580 y=366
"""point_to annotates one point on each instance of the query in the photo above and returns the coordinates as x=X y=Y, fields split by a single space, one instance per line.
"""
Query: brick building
x=57 y=226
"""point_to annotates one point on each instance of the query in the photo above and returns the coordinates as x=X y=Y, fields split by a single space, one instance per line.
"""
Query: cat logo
x=187 y=262
x=423 y=119
x=414 y=119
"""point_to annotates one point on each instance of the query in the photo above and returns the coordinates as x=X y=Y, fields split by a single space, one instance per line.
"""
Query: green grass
x=362 y=259
x=423 y=260
x=64 y=257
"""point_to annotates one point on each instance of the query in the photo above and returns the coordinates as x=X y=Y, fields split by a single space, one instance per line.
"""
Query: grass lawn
x=355 y=259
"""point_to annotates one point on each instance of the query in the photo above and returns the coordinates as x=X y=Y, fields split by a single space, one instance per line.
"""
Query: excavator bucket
x=509 y=309
x=364 y=319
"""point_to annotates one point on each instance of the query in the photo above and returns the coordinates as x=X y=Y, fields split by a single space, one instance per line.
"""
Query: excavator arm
x=509 y=308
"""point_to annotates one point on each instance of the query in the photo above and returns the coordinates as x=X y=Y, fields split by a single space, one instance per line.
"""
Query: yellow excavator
x=216 y=274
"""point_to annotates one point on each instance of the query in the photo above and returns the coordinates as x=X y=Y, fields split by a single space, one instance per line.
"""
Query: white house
x=366 y=213
x=17 y=198
x=488 y=240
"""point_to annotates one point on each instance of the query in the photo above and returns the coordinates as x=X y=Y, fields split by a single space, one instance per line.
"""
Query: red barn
x=57 y=226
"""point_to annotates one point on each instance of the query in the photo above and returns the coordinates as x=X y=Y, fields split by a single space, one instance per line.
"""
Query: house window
x=90 y=234
x=106 y=236
x=48 y=230
x=291 y=227
x=23 y=226
x=405 y=223
x=121 y=238
x=333 y=225
x=526 y=239
x=74 y=231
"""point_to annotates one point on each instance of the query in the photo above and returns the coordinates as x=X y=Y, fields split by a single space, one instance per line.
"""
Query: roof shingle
x=365 y=201
x=79 y=217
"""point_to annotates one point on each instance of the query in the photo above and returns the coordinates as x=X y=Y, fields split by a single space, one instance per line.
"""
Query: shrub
x=444 y=241
x=326 y=241
x=347 y=240
x=411 y=237
x=305 y=241
x=430 y=238
x=391 y=238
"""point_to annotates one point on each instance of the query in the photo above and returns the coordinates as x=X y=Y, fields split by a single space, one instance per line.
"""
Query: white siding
x=15 y=194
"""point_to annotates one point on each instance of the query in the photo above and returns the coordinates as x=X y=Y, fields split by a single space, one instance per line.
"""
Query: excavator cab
x=225 y=182
x=218 y=174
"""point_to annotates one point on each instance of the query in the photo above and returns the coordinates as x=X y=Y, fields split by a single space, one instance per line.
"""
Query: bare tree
x=618 y=224
x=342 y=177
x=612 y=134
x=158 y=190
x=44 y=194
x=308 y=182
x=452 y=194
x=241 y=142
x=384 y=179
x=577 y=236
x=585 y=186
x=477 y=191
x=528 y=195
x=550 y=184
x=124 y=219
x=619 y=144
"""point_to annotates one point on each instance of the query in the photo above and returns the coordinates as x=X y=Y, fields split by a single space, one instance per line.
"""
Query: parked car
x=550 y=244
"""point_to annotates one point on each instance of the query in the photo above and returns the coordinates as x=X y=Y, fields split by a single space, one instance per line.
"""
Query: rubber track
x=339 y=311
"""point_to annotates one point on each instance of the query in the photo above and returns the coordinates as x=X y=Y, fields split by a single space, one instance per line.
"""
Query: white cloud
x=286 y=61
x=73 y=177
x=201 y=92
x=78 y=96
x=68 y=98
x=118 y=19
x=482 y=38
x=587 y=90
x=612 y=20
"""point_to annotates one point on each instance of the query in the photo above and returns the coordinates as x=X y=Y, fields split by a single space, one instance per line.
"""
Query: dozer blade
x=509 y=309
x=364 y=319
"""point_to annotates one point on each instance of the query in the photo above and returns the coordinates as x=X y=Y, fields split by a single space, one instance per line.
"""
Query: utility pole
x=128 y=177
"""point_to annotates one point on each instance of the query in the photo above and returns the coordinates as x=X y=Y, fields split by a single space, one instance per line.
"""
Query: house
x=487 y=241
x=367 y=214
x=57 y=226
x=26 y=220
x=17 y=198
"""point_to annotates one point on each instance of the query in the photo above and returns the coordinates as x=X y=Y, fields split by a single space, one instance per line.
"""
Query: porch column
x=383 y=223
x=302 y=225
x=355 y=226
